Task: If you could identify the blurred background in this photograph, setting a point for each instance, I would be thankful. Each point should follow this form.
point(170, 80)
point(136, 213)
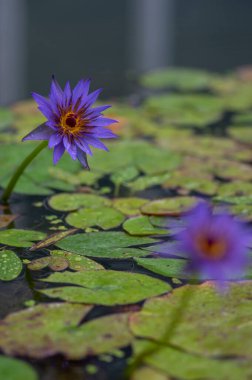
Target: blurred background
point(114, 41)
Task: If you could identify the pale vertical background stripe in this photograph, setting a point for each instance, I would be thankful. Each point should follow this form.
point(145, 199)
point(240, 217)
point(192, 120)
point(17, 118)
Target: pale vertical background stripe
point(13, 50)
point(151, 27)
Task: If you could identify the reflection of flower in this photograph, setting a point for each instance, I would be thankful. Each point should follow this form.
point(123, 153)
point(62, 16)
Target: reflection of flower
point(72, 124)
point(216, 244)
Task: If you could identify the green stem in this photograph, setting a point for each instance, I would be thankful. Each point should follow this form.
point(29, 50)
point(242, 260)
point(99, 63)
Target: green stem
point(175, 320)
point(19, 171)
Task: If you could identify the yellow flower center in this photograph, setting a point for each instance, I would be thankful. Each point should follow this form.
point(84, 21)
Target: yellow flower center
point(211, 248)
point(71, 123)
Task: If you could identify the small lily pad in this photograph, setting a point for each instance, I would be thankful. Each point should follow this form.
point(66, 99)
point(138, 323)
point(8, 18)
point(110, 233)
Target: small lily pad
point(104, 217)
point(104, 287)
point(20, 238)
point(14, 369)
point(71, 202)
point(77, 262)
point(10, 265)
point(168, 206)
point(141, 226)
point(129, 206)
point(107, 244)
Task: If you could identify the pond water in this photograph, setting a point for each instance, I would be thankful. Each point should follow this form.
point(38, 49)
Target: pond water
point(80, 304)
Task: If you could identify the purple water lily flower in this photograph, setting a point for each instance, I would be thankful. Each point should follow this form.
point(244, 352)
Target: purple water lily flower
point(72, 124)
point(215, 243)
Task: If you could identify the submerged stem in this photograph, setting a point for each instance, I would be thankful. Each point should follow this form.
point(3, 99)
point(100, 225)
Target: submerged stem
point(19, 171)
point(175, 320)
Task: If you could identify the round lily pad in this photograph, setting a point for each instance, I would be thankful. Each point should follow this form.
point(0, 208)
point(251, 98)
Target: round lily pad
point(10, 265)
point(129, 206)
point(14, 369)
point(104, 217)
point(104, 287)
point(142, 226)
point(20, 238)
point(70, 202)
point(168, 206)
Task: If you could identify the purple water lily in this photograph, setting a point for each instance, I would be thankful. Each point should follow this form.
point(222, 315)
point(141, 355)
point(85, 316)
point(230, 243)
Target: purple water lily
point(215, 243)
point(72, 124)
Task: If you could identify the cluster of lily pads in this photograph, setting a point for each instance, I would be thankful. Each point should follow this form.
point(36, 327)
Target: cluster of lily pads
point(189, 137)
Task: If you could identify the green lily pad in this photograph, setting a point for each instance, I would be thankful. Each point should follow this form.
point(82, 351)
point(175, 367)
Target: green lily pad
point(182, 365)
point(129, 206)
point(71, 202)
point(124, 175)
point(241, 134)
point(141, 226)
point(209, 318)
point(165, 267)
point(20, 238)
point(104, 217)
point(143, 182)
point(168, 206)
point(47, 323)
point(104, 287)
point(10, 265)
point(235, 188)
point(148, 373)
point(77, 262)
point(180, 78)
point(14, 369)
point(104, 244)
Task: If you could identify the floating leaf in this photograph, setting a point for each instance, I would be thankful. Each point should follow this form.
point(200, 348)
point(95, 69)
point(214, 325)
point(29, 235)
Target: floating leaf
point(146, 181)
point(104, 287)
point(49, 326)
point(165, 267)
point(14, 369)
point(182, 365)
point(129, 206)
point(20, 238)
point(141, 226)
point(209, 317)
point(148, 373)
point(104, 217)
point(53, 239)
point(103, 244)
point(77, 262)
point(10, 265)
point(124, 175)
point(71, 202)
point(168, 206)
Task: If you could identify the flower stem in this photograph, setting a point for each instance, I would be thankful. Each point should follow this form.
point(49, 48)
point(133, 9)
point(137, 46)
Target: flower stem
point(19, 171)
point(175, 320)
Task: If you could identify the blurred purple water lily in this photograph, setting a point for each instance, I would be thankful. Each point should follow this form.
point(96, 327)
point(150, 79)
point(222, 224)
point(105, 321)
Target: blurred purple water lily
point(216, 244)
point(72, 124)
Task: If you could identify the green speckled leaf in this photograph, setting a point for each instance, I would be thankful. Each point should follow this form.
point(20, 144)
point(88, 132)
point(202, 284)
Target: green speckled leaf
point(182, 365)
point(141, 226)
point(129, 206)
point(10, 265)
point(104, 217)
point(209, 318)
point(70, 202)
point(99, 243)
point(49, 326)
point(14, 369)
point(104, 287)
point(168, 206)
point(20, 238)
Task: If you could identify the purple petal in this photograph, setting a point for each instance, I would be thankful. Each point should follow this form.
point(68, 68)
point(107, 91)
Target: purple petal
point(82, 157)
point(70, 147)
point(67, 94)
point(84, 146)
point(42, 132)
point(96, 112)
point(58, 152)
point(55, 139)
point(81, 90)
point(102, 133)
point(56, 94)
point(90, 99)
point(43, 105)
point(95, 142)
point(101, 122)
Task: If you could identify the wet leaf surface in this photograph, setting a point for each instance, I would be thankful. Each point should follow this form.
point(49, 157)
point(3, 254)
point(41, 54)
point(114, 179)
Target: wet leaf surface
point(104, 287)
point(14, 369)
point(10, 265)
point(20, 238)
